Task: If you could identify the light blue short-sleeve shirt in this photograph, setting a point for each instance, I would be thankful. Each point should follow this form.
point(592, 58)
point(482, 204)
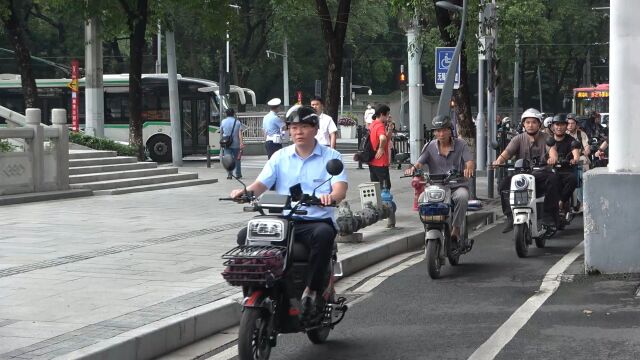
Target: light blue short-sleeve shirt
point(229, 124)
point(272, 124)
point(286, 168)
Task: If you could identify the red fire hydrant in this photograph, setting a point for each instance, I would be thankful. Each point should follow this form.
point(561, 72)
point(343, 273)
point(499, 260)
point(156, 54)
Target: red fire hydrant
point(417, 183)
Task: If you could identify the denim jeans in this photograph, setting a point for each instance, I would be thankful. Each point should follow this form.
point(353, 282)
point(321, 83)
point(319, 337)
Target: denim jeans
point(234, 153)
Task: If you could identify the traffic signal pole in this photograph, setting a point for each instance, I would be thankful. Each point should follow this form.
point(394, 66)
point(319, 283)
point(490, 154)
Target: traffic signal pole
point(415, 93)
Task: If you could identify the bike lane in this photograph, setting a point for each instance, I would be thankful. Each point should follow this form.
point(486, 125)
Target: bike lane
point(410, 316)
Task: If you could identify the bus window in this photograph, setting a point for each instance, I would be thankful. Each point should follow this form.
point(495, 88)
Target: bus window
point(115, 109)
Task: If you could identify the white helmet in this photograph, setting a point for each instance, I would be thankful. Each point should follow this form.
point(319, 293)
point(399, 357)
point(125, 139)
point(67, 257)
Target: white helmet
point(548, 121)
point(531, 113)
point(506, 121)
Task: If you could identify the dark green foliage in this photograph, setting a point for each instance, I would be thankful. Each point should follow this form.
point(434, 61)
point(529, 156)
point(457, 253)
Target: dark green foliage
point(102, 144)
point(5, 146)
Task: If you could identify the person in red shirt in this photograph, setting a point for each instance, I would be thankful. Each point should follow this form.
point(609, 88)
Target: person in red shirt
point(380, 135)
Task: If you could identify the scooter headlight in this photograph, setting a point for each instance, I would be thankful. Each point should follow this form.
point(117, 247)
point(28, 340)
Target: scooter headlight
point(521, 183)
point(432, 196)
point(266, 229)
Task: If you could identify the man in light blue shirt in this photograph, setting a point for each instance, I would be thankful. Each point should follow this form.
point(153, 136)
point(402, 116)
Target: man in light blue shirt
point(304, 163)
point(231, 126)
point(272, 126)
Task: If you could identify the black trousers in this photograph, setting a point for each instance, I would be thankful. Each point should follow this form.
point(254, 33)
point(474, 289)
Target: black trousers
point(381, 175)
point(271, 148)
point(318, 237)
point(547, 184)
point(568, 183)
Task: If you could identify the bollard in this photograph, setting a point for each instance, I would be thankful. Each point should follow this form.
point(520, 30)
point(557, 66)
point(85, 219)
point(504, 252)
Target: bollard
point(59, 121)
point(209, 156)
point(36, 147)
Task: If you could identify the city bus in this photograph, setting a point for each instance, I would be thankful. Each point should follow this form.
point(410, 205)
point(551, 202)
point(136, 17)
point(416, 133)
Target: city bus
point(587, 99)
point(199, 109)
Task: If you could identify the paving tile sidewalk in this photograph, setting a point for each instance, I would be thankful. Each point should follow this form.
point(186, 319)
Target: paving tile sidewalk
point(77, 272)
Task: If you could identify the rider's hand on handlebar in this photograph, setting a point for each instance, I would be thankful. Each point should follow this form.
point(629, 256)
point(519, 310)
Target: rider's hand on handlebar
point(468, 173)
point(237, 193)
point(573, 161)
point(552, 160)
point(410, 170)
point(326, 199)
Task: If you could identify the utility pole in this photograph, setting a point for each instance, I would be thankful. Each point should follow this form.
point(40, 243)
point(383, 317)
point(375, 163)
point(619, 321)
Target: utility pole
point(159, 54)
point(94, 89)
point(490, 17)
point(415, 93)
point(481, 147)
point(540, 89)
point(285, 71)
point(174, 105)
point(516, 83)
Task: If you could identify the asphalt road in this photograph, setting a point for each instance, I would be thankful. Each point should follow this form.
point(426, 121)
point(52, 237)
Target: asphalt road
point(410, 316)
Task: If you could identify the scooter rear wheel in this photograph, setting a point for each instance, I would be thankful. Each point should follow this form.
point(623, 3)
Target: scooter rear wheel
point(521, 232)
point(253, 336)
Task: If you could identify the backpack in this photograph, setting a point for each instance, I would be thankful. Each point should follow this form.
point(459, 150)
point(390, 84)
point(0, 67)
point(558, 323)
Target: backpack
point(366, 153)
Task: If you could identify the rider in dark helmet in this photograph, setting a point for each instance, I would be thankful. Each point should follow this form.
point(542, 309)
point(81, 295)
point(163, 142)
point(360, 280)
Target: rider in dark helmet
point(532, 146)
point(445, 154)
point(304, 163)
point(568, 149)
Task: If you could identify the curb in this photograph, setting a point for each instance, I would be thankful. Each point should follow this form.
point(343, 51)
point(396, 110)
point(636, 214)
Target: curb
point(43, 196)
point(177, 331)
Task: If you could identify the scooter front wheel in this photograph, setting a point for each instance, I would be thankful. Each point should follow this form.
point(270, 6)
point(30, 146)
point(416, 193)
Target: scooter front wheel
point(521, 232)
point(253, 335)
point(432, 253)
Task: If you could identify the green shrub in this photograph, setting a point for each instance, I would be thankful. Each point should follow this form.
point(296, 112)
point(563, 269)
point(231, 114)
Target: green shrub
point(5, 146)
point(101, 144)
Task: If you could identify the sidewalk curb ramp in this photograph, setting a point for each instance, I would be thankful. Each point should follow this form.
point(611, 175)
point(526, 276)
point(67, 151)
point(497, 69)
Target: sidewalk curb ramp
point(176, 331)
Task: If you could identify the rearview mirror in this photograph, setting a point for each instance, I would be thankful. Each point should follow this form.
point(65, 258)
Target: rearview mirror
point(334, 167)
point(228, 162)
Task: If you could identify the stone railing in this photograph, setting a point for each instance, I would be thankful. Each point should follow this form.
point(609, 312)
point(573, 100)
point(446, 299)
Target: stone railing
point(41, 165)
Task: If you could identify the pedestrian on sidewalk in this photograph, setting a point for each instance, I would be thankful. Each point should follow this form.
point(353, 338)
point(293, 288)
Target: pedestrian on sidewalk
point(232, 128)
point(327, 129)
point(380, 137)
point(272, 126)
point(368, 115)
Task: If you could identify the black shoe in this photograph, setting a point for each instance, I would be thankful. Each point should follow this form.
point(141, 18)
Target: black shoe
point(229, 177)
point(508, 225)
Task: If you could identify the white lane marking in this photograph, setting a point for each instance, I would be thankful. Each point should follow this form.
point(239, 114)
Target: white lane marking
point(520, 317)
point(378, 279)
point(226, 354)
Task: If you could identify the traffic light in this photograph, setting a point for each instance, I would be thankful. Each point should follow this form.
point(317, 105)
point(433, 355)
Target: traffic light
point(403, 78)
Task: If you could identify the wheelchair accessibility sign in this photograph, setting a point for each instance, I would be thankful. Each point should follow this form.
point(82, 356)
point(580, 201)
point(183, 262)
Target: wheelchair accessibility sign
point(444, 56)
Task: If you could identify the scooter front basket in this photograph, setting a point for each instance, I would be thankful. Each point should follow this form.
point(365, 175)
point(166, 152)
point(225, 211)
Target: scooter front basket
point(254, 265)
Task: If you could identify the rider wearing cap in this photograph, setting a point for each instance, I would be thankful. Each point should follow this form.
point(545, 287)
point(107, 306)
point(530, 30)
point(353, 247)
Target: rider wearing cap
point(445, 154)
point(568, 149)
point(304, 163)
point(531, 145)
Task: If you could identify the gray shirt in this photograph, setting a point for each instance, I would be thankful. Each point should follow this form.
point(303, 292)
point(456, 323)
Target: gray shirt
point(523, 148)
point(439, 163)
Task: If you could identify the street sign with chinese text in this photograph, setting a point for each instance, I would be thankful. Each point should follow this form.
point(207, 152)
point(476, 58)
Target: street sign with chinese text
point(444, 56)
point(75, 74)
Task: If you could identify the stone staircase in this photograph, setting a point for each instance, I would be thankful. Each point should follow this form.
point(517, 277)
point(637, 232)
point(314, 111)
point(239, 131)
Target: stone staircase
point(108, 174)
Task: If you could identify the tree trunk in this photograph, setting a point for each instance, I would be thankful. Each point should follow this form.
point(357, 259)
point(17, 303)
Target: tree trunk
point(334, 45)
point(15, 28)
point(137, 26)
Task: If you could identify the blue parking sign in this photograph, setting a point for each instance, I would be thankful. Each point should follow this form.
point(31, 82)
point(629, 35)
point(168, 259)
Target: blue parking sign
point(444, 56)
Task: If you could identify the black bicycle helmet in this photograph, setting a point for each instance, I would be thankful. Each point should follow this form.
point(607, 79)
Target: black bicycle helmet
point(302, 115)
